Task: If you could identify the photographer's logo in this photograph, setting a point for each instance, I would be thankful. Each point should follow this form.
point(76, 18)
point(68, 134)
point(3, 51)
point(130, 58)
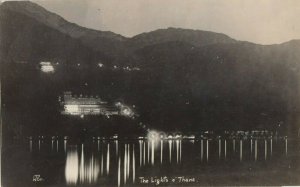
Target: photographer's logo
point(37, 178)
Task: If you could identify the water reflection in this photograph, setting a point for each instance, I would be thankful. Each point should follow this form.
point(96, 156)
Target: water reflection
point(251, 146)
point(71, 169)
point(52, 143)
point(219, 148)
point(141, 150)
point(144, 149)
point(161, 150)
point(286, 145)
point(30, 145)
point(133, 165)
point(180, 150)
point(119, 171)
point(85, 171)
point(201, 150)
point(271, 147)
point(125, 164)
point(116, 145)
point(177, 151)
point(266, 149)
point(255, 150)
point(65, 145)
point(56, 145)
point(233, 142)
point(170, 151)
point(225, 149)
point(207, 150)
point(152, 152)
point(241, 150)
point(148, 151)
point(106, 161)
point(102, 163)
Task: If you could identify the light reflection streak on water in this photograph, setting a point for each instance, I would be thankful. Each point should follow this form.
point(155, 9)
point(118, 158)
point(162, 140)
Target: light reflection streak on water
point(161, 150)
point(133, 165)
point(81, 170)
point(39, 145)
point(57, 145)
point(219, 148)
point(117, 147)
point(241, 150)
point(30, 145)
point(107, 160)
point(201, 154)
point(266, 148)
point(71, 169)
point(225, 149)
point(128, 160)
point(177, 151)
point(251, 146)
point(119, 172)
point(152, 152)
point(233, 142)
point(102, 163)
point(286, 146)
point(170, 151)
point(144, 149)
point(141, 150)
point(65, 145)
point(180, 154)
point(207, 150)
point(271, 147)
point(148, 151)
point(95, 170)
point(125, 163)
point(255, 150)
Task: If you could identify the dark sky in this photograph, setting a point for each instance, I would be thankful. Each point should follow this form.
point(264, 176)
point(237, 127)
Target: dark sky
point(259, 21)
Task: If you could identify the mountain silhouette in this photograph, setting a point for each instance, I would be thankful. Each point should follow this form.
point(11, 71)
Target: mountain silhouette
point(188, 79)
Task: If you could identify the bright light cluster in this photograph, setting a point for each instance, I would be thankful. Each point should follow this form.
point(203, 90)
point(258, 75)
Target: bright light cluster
point(153, 135)
point(72, 109)
point(47, 67)
point(100, 65)
point(125, 110)
point(127, 68)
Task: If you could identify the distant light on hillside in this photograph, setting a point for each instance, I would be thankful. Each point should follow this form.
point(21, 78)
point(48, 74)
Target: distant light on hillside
point(100, 65)
point(47, 67)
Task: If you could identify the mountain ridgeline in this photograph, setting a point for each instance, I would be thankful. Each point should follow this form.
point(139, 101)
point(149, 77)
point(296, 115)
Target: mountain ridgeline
point(188, 79)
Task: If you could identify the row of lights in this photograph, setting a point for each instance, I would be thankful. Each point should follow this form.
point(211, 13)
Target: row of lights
point(153, 135)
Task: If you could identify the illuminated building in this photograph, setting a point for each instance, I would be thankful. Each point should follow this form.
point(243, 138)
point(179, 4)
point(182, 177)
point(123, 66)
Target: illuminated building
point(86, 106)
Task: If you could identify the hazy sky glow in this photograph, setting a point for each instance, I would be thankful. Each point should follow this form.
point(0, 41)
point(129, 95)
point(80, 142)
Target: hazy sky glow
point(259, 21)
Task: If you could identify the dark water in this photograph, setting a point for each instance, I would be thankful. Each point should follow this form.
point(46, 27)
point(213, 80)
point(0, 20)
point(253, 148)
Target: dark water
point(154, 162)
